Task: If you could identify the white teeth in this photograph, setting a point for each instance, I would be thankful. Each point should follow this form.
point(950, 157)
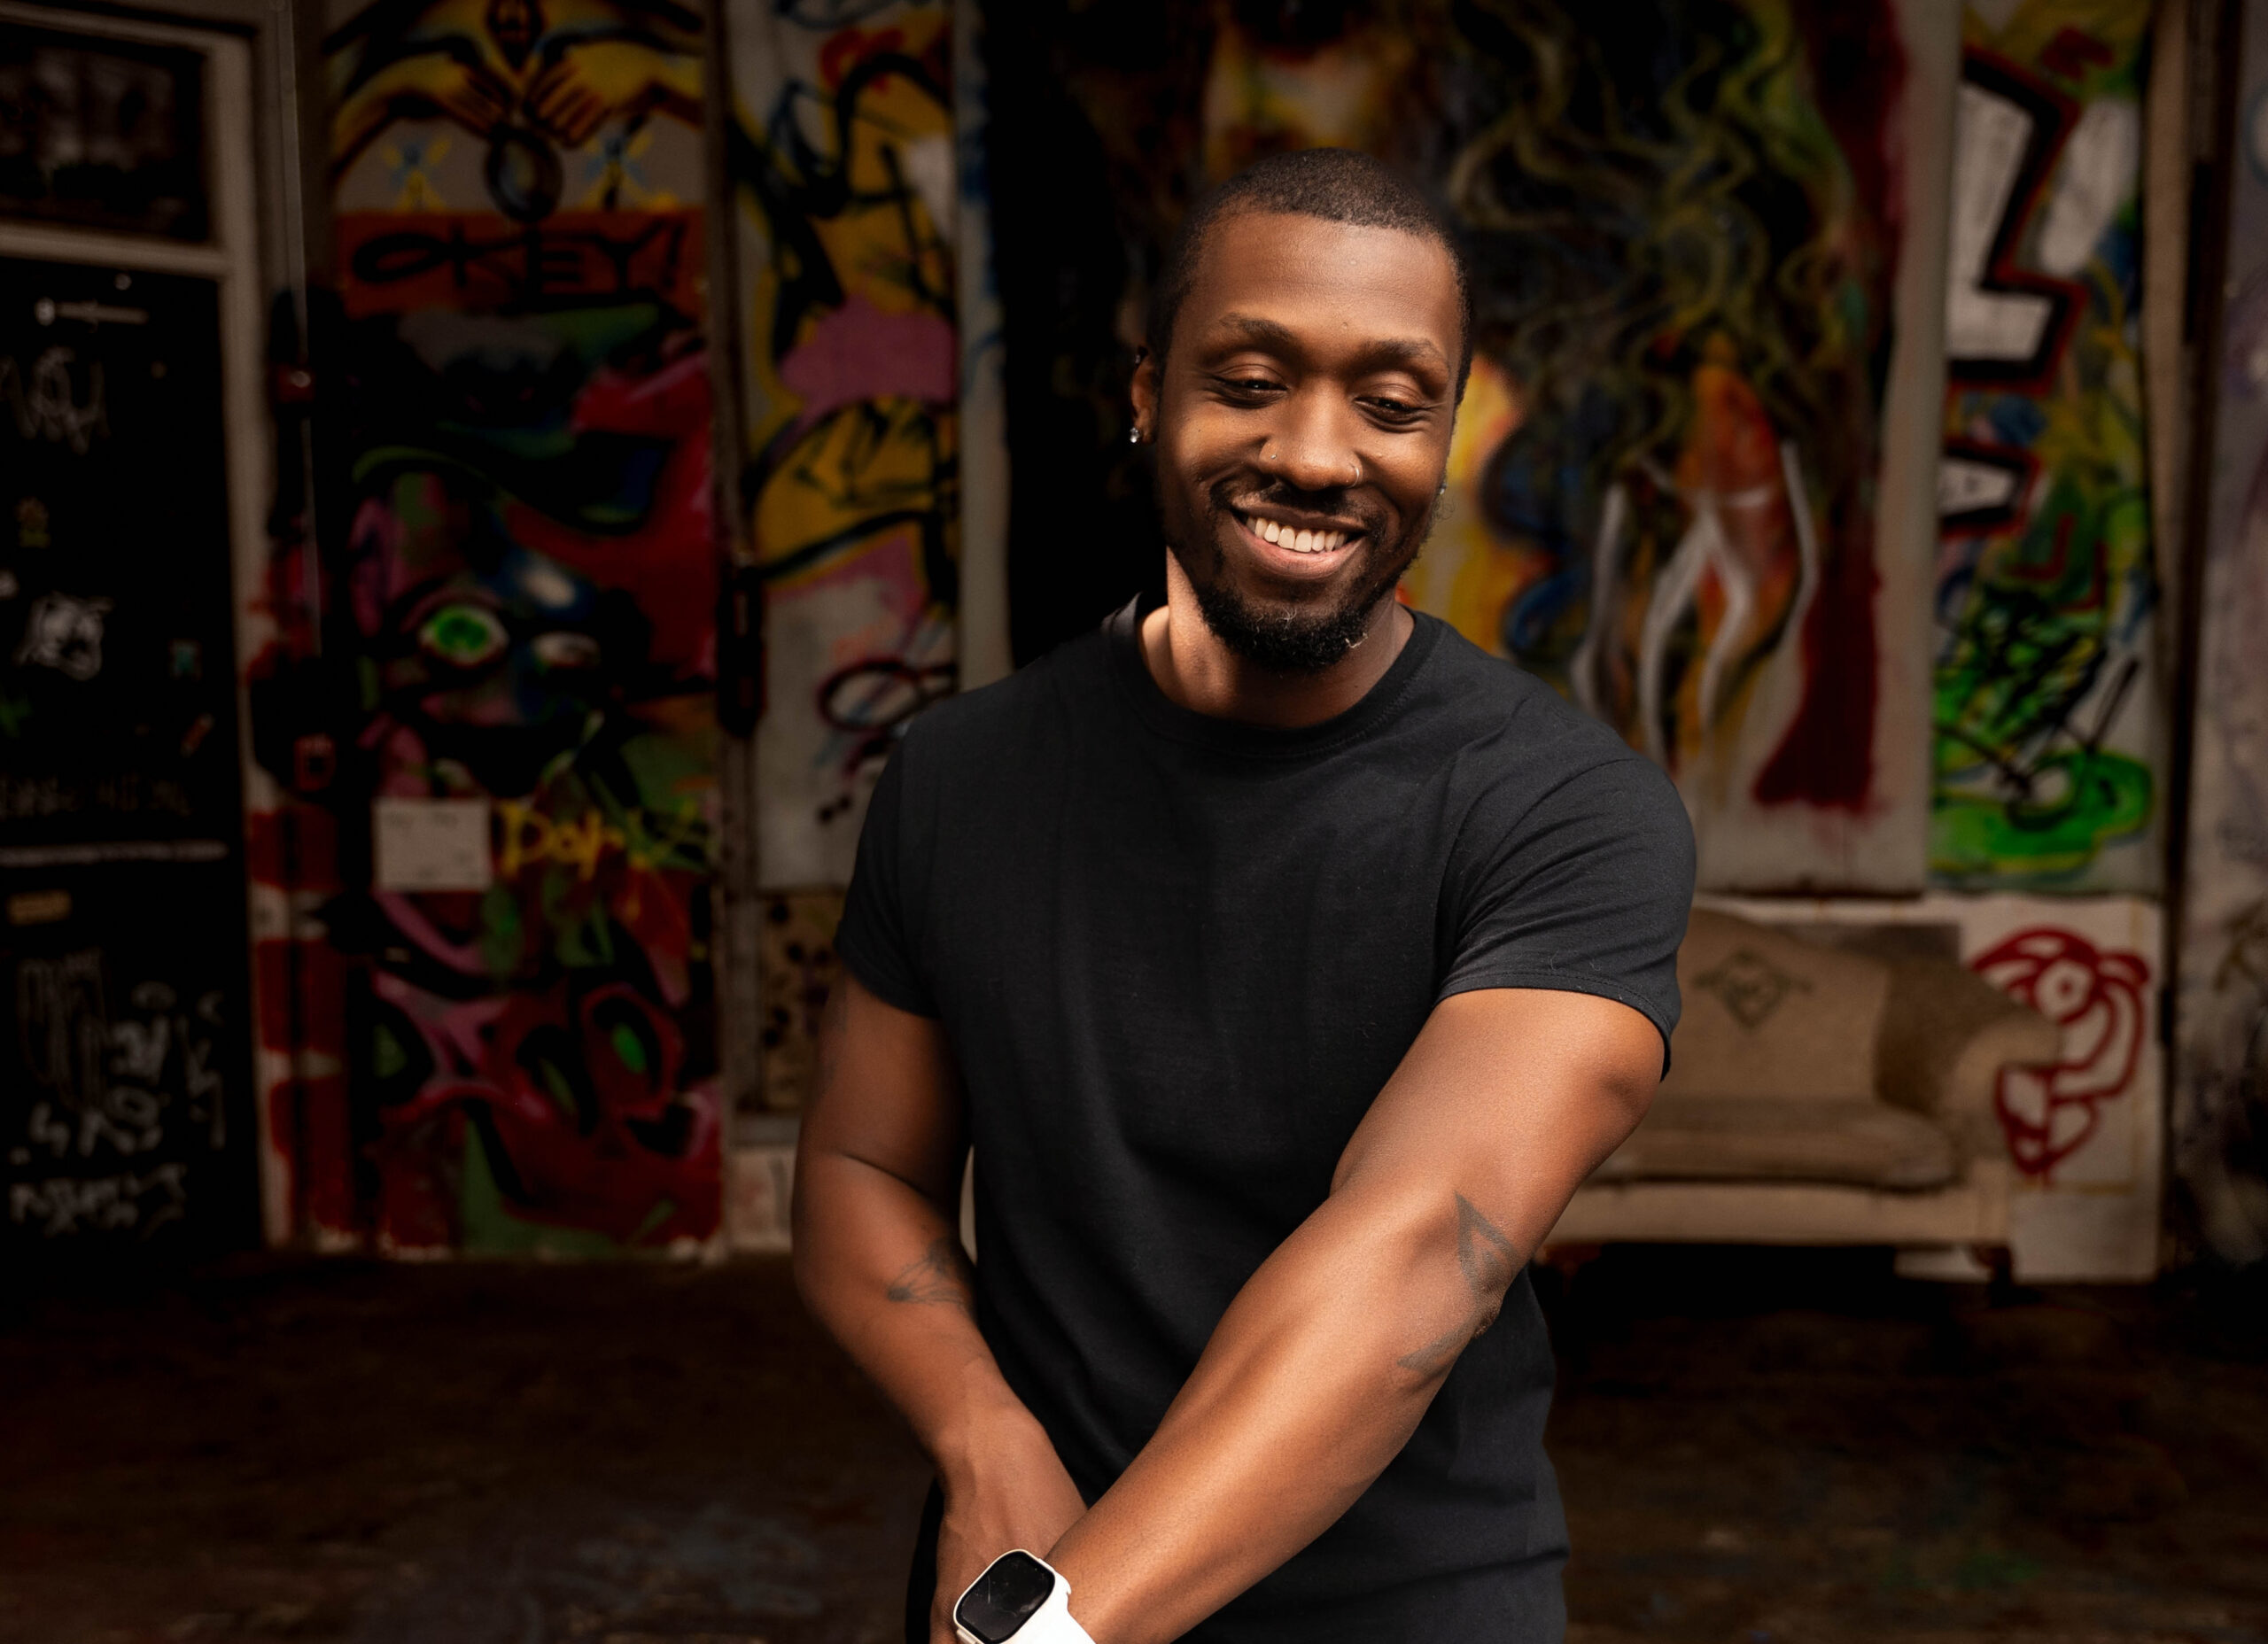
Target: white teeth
point(1299, 541)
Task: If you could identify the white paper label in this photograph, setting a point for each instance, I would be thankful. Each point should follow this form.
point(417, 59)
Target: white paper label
point(432, 844)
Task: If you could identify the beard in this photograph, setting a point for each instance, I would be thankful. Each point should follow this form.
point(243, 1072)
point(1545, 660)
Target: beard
point(1294, 638)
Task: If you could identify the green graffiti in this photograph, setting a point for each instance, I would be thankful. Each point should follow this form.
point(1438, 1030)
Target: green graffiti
point(463, 635)
point(387, 1058)
point(2097, 797)
point(2028, 691)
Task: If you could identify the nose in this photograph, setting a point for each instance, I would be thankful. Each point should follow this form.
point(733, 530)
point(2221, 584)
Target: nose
point(1312, 447)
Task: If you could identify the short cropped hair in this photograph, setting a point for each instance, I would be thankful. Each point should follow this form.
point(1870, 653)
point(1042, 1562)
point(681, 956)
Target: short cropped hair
point(1337, 185)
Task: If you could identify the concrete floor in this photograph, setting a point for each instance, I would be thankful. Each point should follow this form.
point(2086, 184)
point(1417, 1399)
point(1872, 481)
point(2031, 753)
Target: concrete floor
point(1754, 1447)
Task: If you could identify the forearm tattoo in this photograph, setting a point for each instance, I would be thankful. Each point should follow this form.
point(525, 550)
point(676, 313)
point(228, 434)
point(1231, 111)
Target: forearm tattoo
point(941, 1276)
point(1487, 1257)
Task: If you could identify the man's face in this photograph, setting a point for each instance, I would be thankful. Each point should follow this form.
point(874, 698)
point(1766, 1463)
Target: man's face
point(1303, 422)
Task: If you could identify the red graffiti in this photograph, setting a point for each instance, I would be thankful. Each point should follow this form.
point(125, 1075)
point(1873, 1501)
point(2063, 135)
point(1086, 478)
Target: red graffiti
point(2071, 54)
point(397, 262)
point(2050, 1111)
point(580, 1103)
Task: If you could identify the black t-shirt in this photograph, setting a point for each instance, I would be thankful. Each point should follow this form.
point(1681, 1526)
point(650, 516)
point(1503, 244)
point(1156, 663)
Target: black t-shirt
point(1176, 958)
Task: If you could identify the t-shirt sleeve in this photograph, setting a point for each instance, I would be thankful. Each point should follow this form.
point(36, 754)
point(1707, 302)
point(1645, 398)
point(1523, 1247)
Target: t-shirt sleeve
point(1586, 890)
point(875, 940)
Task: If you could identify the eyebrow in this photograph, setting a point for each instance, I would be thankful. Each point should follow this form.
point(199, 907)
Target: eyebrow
point(1252, 327)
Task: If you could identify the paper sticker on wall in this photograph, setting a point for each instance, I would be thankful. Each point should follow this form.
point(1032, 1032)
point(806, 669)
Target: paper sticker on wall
point(431, 844)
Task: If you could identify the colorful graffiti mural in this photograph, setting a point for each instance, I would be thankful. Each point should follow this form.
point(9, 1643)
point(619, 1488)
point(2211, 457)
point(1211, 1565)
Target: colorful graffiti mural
point(844, 171)
point(525, 587)
point(2048, 716)
point(515, 108)
point(2220, 1126)
point(1704, 390)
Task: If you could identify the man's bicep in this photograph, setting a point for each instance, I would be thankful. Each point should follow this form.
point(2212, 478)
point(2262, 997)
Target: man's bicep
point(887, 1095)
point(1508, 1098)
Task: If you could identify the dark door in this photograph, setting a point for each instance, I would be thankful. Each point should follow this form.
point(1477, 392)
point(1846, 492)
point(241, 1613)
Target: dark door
point(125, 1089)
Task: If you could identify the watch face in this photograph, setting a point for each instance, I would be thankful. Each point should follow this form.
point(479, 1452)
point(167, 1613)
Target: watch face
point(1005, 1597)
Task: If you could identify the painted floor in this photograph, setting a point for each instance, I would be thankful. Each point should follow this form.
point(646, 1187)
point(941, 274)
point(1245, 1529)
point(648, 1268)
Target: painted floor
point(1754, 1448)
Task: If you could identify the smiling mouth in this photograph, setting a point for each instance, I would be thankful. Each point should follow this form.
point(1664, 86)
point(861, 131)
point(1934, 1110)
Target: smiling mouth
point(1299, 539)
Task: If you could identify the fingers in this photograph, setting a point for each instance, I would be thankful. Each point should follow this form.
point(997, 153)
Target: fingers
point(565, 108)
point(550, 91)
point(476, 98)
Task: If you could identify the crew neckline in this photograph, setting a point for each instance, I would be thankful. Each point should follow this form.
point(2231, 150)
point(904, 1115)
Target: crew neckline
point(1161, 713)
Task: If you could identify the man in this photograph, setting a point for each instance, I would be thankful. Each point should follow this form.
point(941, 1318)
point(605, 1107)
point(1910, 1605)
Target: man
point(1288, 962)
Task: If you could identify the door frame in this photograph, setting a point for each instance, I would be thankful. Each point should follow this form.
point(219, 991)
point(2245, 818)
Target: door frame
point(230, 257)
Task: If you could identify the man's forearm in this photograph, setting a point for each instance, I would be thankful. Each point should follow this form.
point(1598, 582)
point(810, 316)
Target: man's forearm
point(1328, 1358)
point(878, 1263)
point(881, 1268)
point(1313, 1382)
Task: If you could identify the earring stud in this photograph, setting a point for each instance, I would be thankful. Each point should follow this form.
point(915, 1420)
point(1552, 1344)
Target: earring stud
point(1134, 435)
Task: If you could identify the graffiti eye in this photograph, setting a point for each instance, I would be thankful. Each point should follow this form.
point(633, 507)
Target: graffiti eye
point(566, 650)
point(2062, 991)
point(463, 636)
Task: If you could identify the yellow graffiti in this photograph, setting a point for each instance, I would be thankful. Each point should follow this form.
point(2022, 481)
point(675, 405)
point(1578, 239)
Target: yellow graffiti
point(561, 68)
point(1353, 92)
point(865, 469)
point(1472, 571)
point(531, 839)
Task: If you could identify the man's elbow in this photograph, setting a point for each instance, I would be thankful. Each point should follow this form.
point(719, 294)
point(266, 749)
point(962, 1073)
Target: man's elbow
point(1630, 1096)
point(806, 1240)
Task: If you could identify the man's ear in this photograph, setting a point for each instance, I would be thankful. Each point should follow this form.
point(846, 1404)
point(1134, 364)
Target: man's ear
point(1144, 393)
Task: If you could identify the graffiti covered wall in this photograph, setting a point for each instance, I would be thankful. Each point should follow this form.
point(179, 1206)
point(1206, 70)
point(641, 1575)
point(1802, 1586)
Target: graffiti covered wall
point(528, 585)
point(1688, 479)
point(846, 186)
point(2047, 706)
point(2220, 1126)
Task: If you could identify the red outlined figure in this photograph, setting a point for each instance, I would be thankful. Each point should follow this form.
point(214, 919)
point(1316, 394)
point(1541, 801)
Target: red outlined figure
point(2048, 1111)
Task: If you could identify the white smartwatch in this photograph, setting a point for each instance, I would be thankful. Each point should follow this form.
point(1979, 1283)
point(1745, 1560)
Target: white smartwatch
point(1018, 1597)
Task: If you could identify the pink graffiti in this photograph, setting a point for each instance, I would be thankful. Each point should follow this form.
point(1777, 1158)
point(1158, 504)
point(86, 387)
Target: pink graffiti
point(2050, 1111)
point(859, 352)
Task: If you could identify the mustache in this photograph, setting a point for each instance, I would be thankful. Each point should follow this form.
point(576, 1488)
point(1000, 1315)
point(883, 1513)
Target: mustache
point(1339, 501)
